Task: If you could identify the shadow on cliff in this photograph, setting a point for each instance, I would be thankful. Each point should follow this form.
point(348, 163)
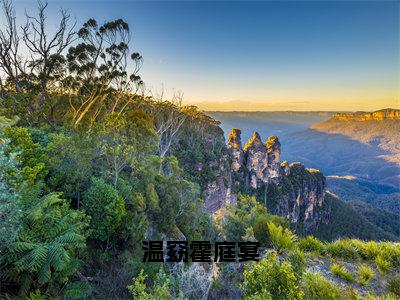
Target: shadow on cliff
point(335, 154)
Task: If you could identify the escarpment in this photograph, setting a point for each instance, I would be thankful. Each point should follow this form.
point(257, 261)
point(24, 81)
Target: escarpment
point(379, 115)
point(288, 190)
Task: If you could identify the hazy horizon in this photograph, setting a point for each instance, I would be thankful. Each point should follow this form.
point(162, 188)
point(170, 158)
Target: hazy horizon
point(311, 55)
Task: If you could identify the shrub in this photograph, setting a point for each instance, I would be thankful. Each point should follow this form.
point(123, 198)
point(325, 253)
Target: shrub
point(350, 294)
point(382, 264)
point(317, 286)
point(369, 250)
point(391, 252)
point(341, 272)
point(365, 275)
point(342, 248)
point(105, 207)
point(394, 285)
point(271, 278)
point(260, 227)
point(281, 239)
point(298, 262)
point(382, 297)
point(311, 244)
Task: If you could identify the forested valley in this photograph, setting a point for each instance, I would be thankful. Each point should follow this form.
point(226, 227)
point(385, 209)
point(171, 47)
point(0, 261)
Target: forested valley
point(92, 163)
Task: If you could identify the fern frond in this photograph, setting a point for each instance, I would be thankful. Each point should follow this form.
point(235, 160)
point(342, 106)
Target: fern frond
point(26, 281)
point(69, 238)
point(37, 257)
point(78, 290)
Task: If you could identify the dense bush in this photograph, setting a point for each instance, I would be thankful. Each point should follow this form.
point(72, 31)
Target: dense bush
point(342, 248)
point(105, 207)
point(311, 244)
point(271, 278)
point(317, 286)
point(281, 239)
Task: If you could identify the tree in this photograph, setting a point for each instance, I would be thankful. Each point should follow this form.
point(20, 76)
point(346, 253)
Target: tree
point(46, 251)
point(161, 288)
point(168, 117)
point(70, 161)
point(46, 51)
point(11, 62)
point(126, 140)
point(44, 235)
point(242, 216)
point(105, 207)
point(281, 238)
point(9, 199)
point(29, 154)
point(100, 65)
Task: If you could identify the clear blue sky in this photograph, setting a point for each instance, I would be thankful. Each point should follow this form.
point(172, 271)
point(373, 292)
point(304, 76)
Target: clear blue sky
point(314, 54)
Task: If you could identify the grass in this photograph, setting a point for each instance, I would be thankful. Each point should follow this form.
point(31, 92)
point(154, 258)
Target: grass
point(382, 264)
point(365, 275)
point(311, 244)
point(394, 285)
point(317, 286)
point(343, 248)
point(340, 271)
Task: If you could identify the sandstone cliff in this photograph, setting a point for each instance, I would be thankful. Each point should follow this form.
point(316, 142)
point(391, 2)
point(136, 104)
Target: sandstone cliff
point(289, 190)
point(379, 115)
point(379, 128)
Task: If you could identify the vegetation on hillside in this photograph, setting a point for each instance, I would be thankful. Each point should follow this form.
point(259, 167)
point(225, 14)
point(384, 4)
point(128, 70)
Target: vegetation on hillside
point(91, 165)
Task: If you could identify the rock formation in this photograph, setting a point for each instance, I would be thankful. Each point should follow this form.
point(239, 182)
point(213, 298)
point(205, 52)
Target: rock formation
point(235, 144)
point(289, 190)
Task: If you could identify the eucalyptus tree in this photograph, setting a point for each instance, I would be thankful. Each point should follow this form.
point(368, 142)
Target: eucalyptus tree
point(105, 69)
point(45, 49)
point(11, 62)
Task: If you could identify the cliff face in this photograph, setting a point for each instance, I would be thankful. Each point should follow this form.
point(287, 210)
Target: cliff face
point(379, 115)
point(379, 128)
point(289, 190)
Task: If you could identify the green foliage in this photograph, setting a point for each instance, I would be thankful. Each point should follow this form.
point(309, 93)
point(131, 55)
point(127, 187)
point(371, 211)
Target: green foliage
point(10, 206)
point(394, 285)
point(311, 244)
point(271, 278)
point(160, 289)
point(138, 288)
point(29, 154)
point(126, 140)
point(343, 248)
point(298, 262)
point(341, 272)
point(317, 286)
point(382, 264)
point(260, 227)
point(105, 207)
point(70, 160)
point(242, 216)
point(77, 290)
point(365, 275)
point(46, 252)
point(345, 222)
point(281, 239)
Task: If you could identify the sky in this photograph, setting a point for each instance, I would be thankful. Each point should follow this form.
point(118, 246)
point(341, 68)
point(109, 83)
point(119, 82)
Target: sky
point(262, 55)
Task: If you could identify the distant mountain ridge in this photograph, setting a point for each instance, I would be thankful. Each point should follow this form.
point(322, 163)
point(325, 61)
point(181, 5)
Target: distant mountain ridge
point(379, 128)
point(379, 115)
